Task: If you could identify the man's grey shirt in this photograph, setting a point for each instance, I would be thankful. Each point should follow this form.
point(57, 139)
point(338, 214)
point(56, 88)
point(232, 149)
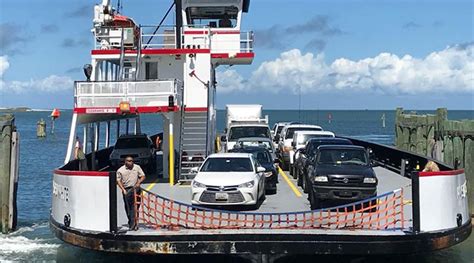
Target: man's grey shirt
point(129, 177)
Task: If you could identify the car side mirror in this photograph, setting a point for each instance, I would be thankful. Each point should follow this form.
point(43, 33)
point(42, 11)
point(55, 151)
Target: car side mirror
point(260, 169)
point(194, 170)
point(223, 138)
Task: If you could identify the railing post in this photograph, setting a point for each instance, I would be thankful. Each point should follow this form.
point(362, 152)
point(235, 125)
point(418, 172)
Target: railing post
point(415, 195)
point(113, 202)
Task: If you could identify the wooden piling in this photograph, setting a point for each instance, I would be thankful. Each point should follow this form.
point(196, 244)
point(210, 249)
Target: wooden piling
point(41, 129)
point(9, 153)
point(437, 137)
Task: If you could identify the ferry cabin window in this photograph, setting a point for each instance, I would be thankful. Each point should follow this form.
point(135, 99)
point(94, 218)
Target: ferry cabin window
point(215, 17)
point(151, 70)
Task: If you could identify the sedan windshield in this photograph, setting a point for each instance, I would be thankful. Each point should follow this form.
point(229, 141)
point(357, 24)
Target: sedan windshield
point(291, 131)
point(236, 133)
point(306, 137)
point(342, 157)
point(265, 144)
point(227, 165)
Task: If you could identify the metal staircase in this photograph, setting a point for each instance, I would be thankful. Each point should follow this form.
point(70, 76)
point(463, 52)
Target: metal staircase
point(193, 143)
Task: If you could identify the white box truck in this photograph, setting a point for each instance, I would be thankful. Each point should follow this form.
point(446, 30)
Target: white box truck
point(244, 121)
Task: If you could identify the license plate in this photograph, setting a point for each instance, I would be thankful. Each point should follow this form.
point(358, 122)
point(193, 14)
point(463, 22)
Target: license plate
point(222, 196)
point(345, 193)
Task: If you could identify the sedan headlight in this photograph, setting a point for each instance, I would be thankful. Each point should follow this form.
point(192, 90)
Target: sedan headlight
point(248, 184)
point(321, 179)
point(370, 180)
point(268, 174)
point(197, 184)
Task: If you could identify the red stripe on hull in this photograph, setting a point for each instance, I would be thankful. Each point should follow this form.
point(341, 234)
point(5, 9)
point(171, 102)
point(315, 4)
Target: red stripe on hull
point(80, 173)
point(442, 173)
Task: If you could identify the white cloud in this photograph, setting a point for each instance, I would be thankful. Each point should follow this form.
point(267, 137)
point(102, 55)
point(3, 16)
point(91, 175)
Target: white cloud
point(4, 65)
point(447, 71)
point(51, 83)
point(229, 81)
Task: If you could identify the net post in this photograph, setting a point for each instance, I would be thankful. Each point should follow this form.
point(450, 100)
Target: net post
point(415, 193)
point(113, 202)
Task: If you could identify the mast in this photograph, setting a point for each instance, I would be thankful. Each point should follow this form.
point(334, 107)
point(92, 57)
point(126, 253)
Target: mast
point(179, 22)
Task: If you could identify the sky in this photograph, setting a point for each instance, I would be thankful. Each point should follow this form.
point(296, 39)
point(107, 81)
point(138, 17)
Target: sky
point(309, 54)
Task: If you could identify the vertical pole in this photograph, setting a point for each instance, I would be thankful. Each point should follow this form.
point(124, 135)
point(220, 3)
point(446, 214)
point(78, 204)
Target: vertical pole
point(94, 141)
point(127, 126)
point(179, 22)
point(113, 202)
point(415, 193)
point(107, 135)
point(118, 129)
point(171, 153)
point(85, 138)
point(6, 130)
point(72, 139)
point(138, 125)
point(96, 136)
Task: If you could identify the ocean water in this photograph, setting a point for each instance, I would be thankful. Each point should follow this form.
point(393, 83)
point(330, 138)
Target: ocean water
point(33, 240)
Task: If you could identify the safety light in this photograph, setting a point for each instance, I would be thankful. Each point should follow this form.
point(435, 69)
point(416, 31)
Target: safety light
point(124, 106)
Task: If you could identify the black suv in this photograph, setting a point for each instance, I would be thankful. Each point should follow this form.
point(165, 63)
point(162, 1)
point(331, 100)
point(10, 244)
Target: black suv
point(264, 158)
point(305, 156)
point(340, 173)
point(139, 146)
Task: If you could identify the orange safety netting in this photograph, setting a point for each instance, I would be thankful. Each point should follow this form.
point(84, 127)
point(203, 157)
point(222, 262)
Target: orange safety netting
point(378, 213)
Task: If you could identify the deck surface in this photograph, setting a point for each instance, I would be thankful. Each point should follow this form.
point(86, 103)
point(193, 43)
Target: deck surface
point(289, 198)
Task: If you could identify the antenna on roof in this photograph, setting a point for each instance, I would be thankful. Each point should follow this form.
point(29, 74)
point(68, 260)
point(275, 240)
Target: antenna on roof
point(119, 6)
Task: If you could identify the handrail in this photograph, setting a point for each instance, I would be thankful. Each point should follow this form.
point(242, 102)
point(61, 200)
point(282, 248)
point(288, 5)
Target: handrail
point(111, 93)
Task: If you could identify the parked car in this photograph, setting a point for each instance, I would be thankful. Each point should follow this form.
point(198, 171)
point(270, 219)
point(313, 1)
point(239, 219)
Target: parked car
point(299, 141)
point(228, 179)
point(340, 173)
point(305, 155)
point(257, 142)
point(139, 146)
point(264, 159)
point(286, 137)
point(277, 127)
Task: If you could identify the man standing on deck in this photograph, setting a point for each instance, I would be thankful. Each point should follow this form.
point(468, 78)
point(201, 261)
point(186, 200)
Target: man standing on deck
point(129, 178)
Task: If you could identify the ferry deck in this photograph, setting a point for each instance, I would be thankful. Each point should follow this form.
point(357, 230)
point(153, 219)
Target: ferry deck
point(171, 71)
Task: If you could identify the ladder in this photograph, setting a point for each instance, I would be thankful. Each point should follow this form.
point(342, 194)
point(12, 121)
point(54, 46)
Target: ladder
point(193, 143)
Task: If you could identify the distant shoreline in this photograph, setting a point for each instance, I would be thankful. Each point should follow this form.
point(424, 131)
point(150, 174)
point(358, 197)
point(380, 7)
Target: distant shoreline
point(20, 109)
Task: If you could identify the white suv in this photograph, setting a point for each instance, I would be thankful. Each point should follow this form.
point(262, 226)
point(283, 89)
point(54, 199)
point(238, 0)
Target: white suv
point(299, 141)
point(286, 137)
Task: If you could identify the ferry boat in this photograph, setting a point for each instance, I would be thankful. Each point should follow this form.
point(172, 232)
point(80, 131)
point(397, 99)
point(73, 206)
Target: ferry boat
point(170, 71)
